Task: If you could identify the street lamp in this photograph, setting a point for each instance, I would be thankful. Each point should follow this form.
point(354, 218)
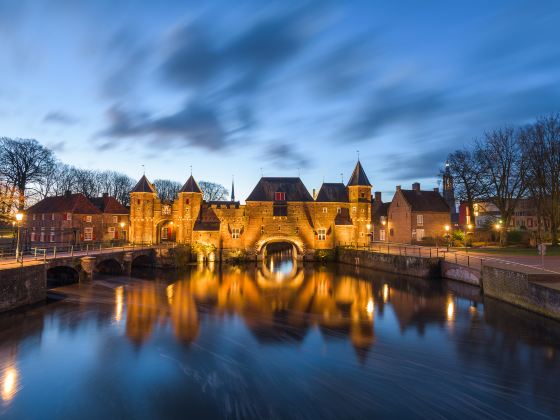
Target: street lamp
point(447, 235)
point(19, 218)
point(384, 223)
point(370, 235)
point(469, 229)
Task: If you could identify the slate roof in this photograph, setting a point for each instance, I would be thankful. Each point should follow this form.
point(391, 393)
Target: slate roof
point(334, 192)
point(425, 201)
point(190, 186)
point(267, 186)
point(381, 210)
point(359, 177)
point(108, 204)
point(207, 220)
point(68, 203)
point(343, 218)
point(143, 185)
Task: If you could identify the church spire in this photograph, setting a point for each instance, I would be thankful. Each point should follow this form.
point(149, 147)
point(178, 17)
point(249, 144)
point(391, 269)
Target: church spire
point(359, 177)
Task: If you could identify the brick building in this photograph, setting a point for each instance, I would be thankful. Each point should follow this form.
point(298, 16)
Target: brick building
point(73, 218)
point(416, 214)
point(277, 210)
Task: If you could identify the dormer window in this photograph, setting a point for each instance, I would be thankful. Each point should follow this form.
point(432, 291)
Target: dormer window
point(279, 196)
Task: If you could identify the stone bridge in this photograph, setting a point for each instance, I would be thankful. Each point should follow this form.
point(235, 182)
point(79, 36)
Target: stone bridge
point(83, 267)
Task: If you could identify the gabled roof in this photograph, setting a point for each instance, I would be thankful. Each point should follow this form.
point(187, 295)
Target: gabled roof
point(334, 192)
point(380, 210)
point(68, 203)
point(109, 205)
point(190, 186)
point(425, 200)
point(343, 218)
point(207, 220)
point(359, 177)
point(267, 186)
point(143, 185)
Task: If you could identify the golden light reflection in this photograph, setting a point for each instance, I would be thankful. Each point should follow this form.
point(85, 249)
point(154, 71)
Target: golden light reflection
point(369, 307)
point(450, 310)
point(119, 294)
point(385, 293)
point(9, 384)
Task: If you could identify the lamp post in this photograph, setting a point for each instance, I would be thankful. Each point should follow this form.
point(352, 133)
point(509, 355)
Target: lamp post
point(122, 230)
point(469, 229)
point(19, 218)
point(447, 236)
point(368, 226)
point(384, 223)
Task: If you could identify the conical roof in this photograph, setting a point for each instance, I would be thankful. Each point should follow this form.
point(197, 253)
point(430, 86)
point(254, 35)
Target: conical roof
point(190, 186)
point(359, 177)
point(144, 186)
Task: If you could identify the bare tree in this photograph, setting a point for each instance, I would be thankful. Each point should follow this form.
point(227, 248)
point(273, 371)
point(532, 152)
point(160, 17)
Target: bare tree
point(467, 171)
point(505, 172)
point(541, 149)
point(212, 191)
point(24, 162)
point(167, 189)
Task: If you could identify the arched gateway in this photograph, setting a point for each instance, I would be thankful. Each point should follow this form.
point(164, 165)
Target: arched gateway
point(279, 209)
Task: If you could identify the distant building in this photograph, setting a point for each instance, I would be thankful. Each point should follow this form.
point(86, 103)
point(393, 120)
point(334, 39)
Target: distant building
point(487, 214)
point(416, 214)
point(73, 218)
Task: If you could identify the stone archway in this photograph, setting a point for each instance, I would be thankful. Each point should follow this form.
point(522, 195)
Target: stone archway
point(296, 243)
point(165, 231)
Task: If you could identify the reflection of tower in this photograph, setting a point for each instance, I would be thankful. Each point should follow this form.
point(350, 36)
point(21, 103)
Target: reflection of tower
point(449, 192)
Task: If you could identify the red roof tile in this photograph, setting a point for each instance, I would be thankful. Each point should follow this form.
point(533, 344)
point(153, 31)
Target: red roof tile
point(71, 203)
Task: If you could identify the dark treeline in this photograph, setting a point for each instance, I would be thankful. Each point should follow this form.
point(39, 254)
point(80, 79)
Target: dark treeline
point(509, 164)
point(30, 172)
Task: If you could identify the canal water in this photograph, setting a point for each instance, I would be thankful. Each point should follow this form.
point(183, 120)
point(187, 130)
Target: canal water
point(276, 340)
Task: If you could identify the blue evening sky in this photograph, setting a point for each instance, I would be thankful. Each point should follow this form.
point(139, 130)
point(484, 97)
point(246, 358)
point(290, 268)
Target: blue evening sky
point(231, 87)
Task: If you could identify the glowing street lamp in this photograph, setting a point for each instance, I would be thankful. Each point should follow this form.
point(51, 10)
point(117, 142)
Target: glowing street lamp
point(19, 218)
point(447, 227)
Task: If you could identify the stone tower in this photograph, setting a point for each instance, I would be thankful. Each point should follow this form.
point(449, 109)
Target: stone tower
point(189, 203)
point(359, 195)
point(142, 202)
point(449, 192)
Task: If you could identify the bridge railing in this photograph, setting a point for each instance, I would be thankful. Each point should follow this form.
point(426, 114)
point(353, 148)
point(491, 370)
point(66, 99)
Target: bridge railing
point(42, 253)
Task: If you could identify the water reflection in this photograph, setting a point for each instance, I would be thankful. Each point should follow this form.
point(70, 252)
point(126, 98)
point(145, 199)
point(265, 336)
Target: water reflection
point(235, 342)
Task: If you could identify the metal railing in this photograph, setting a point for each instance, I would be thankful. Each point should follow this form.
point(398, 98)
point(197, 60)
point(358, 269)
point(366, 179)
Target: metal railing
point(452, 255)
point(38, 254)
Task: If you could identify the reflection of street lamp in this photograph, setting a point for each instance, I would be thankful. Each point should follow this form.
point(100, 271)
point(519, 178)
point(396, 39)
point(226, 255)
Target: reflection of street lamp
point(370, 235)
point(447, 236)
point(19, 218)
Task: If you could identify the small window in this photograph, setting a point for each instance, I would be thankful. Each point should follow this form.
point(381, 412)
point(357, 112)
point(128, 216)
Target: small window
point(297, 230)
point(33, 238)
point(88, 219)
point(111, 229)
point(187, 201)
point(279, 228)
point(420, 220)
point(338, 210)
point(88, 233)
point(363, 195)
point(391, 232)
point(382, 235)
point(235, 232)
point(52, 216)
point(115, 219)
point(322, 234)
point(67, 216)
point(51, 237)
point(279, 196)
point(42, 237)
point(34, 216)
point(361, 234)
point(42, 217)
point(353, 209)
point(262, 230)
point(325, 210)
point(138, 202)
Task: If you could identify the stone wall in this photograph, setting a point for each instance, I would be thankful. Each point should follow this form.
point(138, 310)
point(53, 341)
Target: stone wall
point(398, 264)
point(524, 288)
point(22, 286)
point(460, 273)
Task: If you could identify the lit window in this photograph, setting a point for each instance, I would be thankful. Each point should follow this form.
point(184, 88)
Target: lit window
point(51, 238)
point(321, 234)
point(420, 220)
point(115, 219)
point(52, 216)
point(88, 233)
point(279, 196)
point(235, 232)
point(88, 219)
point(325, 210)
point(353, 209)
point(338, 210)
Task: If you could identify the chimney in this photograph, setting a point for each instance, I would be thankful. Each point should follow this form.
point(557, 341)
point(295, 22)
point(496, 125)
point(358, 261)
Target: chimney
point(398, 187)
point(67, 193)
point(436, 189)
point(105, 195)
point(378, 197)
point(416, 186)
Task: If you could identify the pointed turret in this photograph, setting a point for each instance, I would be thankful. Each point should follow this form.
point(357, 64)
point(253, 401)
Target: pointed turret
point(143, 186)
point(359, 177)
point(190, 186)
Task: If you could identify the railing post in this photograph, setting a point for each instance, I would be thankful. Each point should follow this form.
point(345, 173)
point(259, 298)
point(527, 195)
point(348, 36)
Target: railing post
point(54, 252)
point(72, 251)
point(35, 253)
point(87, 249)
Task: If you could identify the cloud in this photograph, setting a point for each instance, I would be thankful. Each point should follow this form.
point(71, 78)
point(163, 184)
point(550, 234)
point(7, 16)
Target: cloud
point(414, 165)
point(58, 146)
point(285, 155)
point(193, 125)
point(59, 117)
